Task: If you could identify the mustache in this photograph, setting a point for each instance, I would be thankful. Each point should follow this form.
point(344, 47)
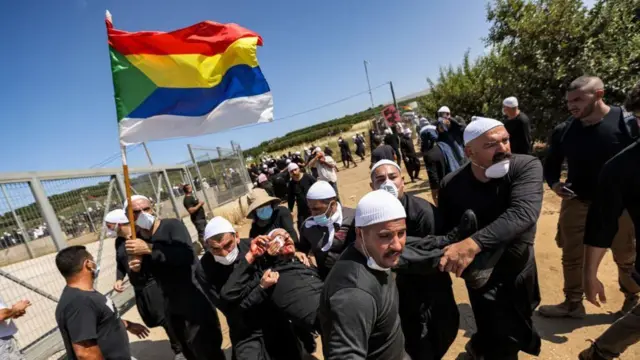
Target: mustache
point(498, 157)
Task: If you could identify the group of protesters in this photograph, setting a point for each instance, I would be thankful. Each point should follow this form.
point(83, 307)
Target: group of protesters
point(374, 282)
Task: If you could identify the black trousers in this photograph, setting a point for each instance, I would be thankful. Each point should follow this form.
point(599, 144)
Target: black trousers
point(151, 307)
point(413, 166)
point(503, 309)
point(198, 333)
point(200, 226)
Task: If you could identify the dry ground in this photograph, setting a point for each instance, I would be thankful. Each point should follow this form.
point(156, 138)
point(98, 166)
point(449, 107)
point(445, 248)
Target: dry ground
point(562, 339)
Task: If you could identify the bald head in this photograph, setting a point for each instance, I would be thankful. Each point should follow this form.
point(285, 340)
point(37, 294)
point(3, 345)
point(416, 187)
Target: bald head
point(586, 84)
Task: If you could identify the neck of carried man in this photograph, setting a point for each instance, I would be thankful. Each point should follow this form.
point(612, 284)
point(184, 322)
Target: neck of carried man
point(599, 112)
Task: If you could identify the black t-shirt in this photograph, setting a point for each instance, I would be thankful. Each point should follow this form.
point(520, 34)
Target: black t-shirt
point(382, 152)
point(436, 166)
point(618, 190)
point(586, 149)
point(359, 312)
point(88, 315)
point(519, 129)
point(408, 149)
point(191, 201)
point(298, 195)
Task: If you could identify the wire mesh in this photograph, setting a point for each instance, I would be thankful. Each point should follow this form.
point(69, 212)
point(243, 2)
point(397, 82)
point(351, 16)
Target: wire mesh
point(23, 233)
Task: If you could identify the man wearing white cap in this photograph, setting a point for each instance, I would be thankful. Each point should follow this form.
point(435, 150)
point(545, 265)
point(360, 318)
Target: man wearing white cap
point(169, 254)
point(299, 185)
point(359, 305)
point(427, 301)
point(505, 192)
point(250, 320)
point(149, 299)
point(518, 125)
point(329, 230)
point(594, 134)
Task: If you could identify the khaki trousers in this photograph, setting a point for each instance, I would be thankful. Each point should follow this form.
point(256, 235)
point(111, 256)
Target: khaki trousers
point(620, 335)
point(570, 237)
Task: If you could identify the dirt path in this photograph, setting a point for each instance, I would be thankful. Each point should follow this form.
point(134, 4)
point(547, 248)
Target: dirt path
point(562, 339)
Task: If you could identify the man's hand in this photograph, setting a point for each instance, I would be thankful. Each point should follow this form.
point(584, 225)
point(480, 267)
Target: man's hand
point(20, 308)
point(118, 287)
point(259, 245)
point(201, 202)
point(135, 265)
point(138, 330)
point(559, 189)
point(269, 278)
point(458, 256)
point(594, 290)
point(303, 258)
point(137, 247)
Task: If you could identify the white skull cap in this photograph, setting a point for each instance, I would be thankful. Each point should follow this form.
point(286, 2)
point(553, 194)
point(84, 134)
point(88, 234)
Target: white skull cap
point(478, 127)
point(321, 190)
point(377, 207)
point(218, 225)
point(116, 216)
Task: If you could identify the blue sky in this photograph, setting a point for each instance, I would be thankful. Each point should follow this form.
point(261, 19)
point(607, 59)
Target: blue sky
point(58, 110)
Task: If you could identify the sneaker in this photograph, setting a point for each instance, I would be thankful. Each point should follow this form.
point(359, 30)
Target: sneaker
point(566, 309)
point(591, 354)
point(630, 302)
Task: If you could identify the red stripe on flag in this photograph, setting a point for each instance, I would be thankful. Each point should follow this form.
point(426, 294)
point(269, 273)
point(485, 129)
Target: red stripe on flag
point(207, 38)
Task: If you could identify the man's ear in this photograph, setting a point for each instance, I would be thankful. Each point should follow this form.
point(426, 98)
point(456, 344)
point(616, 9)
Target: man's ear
point(371, 185)
point(599, 94)
point(468, 152)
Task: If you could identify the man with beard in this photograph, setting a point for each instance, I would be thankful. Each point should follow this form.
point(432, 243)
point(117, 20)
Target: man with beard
point(518, 125)
point(428, 308)
point(298, 187)
point(329, 230)
point(411, 161)
point(618, 192)
point(251, 326)
point(359, 304)
point(169, 255)
point(89, 322)
point(587, 140)
point(149, 299)
point(505, 192)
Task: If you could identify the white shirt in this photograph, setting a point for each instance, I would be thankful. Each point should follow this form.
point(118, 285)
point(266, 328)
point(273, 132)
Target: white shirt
point(7, 327)
point(326, 173)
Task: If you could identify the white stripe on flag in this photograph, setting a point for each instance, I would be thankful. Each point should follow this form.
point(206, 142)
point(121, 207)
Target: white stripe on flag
point(229, 114)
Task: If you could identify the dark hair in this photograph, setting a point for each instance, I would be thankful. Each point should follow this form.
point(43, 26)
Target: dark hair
point(632, 103)
point(69, 260)
point(586, 83)
point(376, 141)
point(184, 187)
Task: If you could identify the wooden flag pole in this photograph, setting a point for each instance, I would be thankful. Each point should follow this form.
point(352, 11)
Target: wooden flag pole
point(128, 194)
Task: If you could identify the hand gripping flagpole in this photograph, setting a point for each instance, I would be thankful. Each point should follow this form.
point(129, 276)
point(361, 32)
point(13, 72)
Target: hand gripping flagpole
point(125, 173)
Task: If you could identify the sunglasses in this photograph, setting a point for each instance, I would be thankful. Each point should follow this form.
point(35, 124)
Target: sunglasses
point(137, 212)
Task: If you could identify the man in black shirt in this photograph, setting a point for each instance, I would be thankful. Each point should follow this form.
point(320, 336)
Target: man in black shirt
point(428, 307)
point(618, 192)
point(505, 193)
point(298, 187)
point(359, 304)
point(587, 140)
point(393, 140)
point(329, 231)
point(196, 211)
point(518, 125)
point(381, 152)
point(411, 161)
point(434, 160)
point(191, 311)
point(89, 322)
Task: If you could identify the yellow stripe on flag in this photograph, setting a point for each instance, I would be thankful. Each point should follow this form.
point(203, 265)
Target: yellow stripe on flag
point(195, 70)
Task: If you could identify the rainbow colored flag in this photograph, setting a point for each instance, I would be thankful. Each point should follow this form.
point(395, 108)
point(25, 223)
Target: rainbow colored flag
point(188, 82)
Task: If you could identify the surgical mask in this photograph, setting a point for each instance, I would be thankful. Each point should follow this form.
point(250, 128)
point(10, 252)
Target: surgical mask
point(371, 263)
point(229, 259)
point(390, 187)
point(497, 170)
point(112, 233)
point(145, 221)
point(322, 219)
point(96, 271)
point(265, 212)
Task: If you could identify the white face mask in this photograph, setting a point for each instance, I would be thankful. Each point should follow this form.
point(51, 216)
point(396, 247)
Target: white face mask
point(229, 259)
point(371, 263)
point(145, 221)
point(390, 187)
point(112, 233)
point(497, 170)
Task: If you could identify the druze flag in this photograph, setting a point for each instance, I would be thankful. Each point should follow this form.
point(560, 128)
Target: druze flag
point(188, 82)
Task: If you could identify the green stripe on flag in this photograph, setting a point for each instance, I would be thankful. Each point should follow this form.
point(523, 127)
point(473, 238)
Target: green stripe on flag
point(131, 86)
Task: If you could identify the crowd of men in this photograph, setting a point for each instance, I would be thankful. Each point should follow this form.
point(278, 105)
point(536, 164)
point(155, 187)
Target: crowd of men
point(374, 282)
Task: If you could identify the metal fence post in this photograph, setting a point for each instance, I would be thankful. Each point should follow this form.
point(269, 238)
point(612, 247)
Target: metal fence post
point(204, 192)
point(123, 190)
point(24, 232)
point(172, 197)
point(92, 226)
point(48, 214)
